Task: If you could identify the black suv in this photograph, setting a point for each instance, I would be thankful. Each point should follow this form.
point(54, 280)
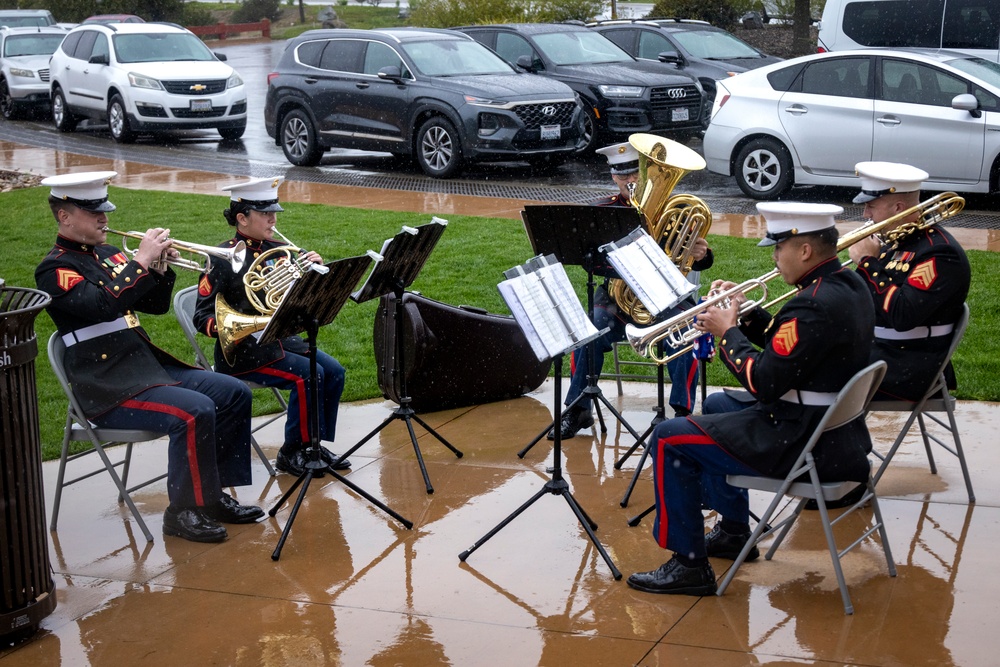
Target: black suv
point(695, 47)
point(621, 95)
point(434, 94)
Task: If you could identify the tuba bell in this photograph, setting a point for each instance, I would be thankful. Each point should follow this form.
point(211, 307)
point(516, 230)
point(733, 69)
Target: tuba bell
point(674, 221)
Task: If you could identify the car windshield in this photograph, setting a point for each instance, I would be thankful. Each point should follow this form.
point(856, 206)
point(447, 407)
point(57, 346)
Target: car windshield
point(985, 70)
point(31, 45)
point(454, 58)
point(160, 47)
point(24, 21)
point(710, 44)
point(580, 48)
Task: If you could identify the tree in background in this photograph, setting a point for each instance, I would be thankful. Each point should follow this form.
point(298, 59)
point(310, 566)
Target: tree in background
point(73, 11)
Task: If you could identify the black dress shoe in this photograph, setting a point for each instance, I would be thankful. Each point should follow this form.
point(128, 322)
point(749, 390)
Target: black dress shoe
point(294, 463)
point(720, 544)
point(227, 510)
point(192, 524)
point(677, 579)
point(572, 421)
point(331, 459)
point(847, 500)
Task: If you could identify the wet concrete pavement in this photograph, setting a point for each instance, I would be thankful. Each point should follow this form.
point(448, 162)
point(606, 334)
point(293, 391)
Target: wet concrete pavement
point(354, 587)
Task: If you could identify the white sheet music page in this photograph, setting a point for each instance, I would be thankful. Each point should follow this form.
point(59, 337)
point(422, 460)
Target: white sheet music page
point(656, 280)
point(547, 310)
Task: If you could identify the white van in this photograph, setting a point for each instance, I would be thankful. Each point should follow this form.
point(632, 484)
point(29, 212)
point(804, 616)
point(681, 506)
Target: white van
point(969, 26)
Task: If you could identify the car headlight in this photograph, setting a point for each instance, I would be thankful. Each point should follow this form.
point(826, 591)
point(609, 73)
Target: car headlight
point(26, 73)
point(234, 81)
point(621, 91)
point(484, 102)
point(142, 81)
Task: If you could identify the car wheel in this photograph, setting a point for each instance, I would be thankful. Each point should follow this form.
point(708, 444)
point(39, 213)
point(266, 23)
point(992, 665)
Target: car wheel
point(298, 140)
point(588, 133)
point(232, 133)
point(61, 116)
point(439, 149)
point(763, 169)
point(118, 123)
point(8, 107)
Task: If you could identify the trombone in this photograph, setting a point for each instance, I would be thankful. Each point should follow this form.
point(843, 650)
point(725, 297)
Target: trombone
point(679, 331)
point(234, 255)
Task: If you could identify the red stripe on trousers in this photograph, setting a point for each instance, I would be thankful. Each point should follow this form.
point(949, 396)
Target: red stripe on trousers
point(191, 445)
point(300, 385)
point(682, 439)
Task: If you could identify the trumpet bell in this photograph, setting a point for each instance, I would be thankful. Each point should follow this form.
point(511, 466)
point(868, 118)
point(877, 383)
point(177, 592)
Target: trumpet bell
point(233, 326)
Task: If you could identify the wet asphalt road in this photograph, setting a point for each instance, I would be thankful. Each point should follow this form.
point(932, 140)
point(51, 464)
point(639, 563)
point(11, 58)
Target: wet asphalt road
point(255, 154)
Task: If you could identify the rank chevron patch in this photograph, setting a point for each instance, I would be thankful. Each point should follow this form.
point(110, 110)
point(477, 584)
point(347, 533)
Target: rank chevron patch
point(204, 286)
point(923, 275)
point(67, 278)
point(785, 338)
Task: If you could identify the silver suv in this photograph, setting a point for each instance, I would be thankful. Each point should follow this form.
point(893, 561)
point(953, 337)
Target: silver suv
point(24, 67)
point(144, 77)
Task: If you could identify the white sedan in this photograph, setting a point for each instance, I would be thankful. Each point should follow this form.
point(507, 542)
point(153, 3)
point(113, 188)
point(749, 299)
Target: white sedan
point(809, 120)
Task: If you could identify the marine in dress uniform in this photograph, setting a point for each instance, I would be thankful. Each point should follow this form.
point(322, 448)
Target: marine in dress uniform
point(284, 364)
point(919, 283)
point(623, 161)
point(122, 379)
point(793, 364)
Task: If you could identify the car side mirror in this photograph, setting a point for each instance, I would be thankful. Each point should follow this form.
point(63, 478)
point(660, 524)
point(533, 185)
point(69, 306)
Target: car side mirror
point(529, 64)
point(100, 59)
point(967, 102)
point(672, 58)
point(392, 73)
point(220, 56)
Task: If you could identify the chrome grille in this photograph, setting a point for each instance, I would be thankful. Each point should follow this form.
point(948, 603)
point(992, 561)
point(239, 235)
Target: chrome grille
point(43, 75)
point(533, 116)
point(186, 87)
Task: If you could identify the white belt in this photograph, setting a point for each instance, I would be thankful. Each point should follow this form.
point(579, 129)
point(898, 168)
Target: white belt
point(93, 331)
point(886, 333)
point(810, 397)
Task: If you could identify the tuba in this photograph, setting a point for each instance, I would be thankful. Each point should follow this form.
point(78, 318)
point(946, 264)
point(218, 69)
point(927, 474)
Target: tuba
point(266, 283)
point(674, 221)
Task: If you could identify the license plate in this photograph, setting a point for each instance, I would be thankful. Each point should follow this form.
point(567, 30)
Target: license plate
point(679, 115)
point(206, 105)
point(550, 131)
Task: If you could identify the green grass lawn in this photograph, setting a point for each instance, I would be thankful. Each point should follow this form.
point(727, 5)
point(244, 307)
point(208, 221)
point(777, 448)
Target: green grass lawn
point(464, 268)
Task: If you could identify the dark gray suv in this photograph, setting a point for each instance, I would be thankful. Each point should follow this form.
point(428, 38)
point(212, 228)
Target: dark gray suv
point(436, 95)
point(621, 95)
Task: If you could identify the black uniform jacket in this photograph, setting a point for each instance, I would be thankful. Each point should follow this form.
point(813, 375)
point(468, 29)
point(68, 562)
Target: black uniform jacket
point(815, 343)
point(921, 283)
point(90, 285)
point(221, 280)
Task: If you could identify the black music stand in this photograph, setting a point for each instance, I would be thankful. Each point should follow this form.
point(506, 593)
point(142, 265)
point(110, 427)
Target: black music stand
point(573, 234)
point(557, 485)
point(313, 301)
point(402, 258)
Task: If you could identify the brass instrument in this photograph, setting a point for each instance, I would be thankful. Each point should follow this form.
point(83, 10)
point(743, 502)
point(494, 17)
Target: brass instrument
point(675, 222)
point(679, 332)
point(266, 283)
point(234, 255)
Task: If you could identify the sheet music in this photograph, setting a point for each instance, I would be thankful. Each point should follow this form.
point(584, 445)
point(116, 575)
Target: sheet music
point(546, 308)
point(647, 269)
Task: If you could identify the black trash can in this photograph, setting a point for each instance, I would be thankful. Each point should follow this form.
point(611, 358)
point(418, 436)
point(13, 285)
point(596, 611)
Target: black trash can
point(26, 584)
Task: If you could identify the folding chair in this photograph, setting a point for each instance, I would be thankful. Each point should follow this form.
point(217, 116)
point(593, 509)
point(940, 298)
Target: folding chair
point(937, 398)
point(184, 303)
point(849, 404)
point(618, 375)
point(79, 428)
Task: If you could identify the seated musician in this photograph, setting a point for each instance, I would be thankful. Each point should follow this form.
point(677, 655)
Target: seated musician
point(808, 351)
point(624, 164)
point(919, 282)
point(122, 380)
point(253, 209)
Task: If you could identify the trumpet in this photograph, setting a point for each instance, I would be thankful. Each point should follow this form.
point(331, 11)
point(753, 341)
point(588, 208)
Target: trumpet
point(234, 255)
point(679, 331)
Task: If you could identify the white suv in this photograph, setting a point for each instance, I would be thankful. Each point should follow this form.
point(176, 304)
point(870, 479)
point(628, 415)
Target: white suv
point(24, 67)
point(144, 77)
